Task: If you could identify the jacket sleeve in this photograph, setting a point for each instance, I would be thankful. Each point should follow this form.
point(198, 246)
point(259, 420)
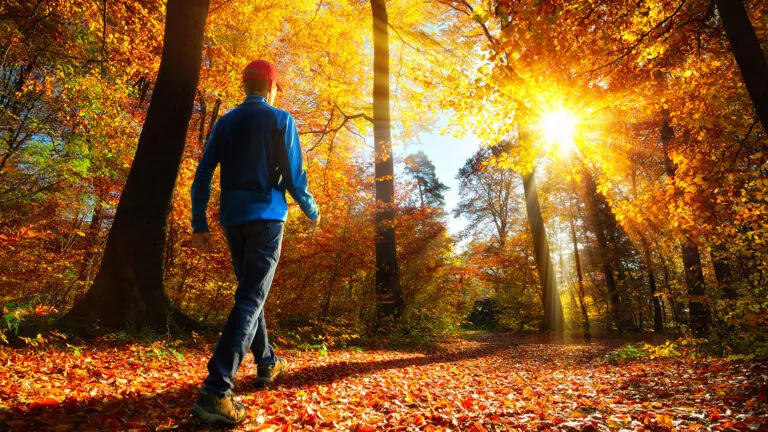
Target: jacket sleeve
point(294, 176)
point(201, 186)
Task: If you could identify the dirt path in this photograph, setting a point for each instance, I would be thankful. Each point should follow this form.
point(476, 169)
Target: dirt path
point(498, 384)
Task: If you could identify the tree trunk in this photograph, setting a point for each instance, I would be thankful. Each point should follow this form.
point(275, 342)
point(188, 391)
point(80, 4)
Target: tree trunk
point(580, 280)
point(213, 120)
point(91, 238)
point(723, 272)
point(699, 316)
point(553, 309)
point(748, 53)
point(388, 292)
point(203, 118)
point(658, 322)
point(598, 211)
point(671, 298)
point(128, 291)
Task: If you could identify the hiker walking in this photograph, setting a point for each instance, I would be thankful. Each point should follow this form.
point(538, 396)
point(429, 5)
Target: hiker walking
point(258, 148)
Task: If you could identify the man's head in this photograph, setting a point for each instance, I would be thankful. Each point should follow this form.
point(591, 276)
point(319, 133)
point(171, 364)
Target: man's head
point(260, 77)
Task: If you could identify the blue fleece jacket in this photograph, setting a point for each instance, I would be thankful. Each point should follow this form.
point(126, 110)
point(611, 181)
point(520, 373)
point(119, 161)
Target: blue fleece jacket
point(258, 148)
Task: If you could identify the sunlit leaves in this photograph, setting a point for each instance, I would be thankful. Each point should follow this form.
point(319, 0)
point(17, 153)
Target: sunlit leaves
point(498, 384)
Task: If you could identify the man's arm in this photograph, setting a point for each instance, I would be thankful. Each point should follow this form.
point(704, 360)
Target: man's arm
point(201, 186)
point(294, 176)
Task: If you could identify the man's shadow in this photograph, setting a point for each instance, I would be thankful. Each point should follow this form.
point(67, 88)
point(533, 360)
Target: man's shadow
point(171, 408)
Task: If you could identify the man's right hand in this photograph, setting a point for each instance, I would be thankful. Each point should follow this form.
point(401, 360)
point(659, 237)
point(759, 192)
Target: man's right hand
point(201, 240)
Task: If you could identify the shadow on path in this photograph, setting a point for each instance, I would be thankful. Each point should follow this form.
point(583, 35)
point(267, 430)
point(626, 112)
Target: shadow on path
point(171, 408)
point(330, 373)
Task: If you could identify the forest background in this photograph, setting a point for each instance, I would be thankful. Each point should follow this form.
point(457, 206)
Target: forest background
point(649, 212)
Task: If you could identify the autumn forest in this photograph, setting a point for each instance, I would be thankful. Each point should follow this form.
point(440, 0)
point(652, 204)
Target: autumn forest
point(597, 261)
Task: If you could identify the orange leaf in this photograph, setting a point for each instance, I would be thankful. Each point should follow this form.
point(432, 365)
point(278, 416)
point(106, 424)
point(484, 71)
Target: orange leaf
point(476, 427)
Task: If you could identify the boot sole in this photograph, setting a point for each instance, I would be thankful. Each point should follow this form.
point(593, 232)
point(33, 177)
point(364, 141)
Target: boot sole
point(263, 382)
point(212, 418)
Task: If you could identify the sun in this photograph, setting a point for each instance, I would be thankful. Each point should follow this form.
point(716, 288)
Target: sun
point(559, 127)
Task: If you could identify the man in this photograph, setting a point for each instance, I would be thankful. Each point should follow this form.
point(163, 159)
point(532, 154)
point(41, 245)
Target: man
point(258, 148)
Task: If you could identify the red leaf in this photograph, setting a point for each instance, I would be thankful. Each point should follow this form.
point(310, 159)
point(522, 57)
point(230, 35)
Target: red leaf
point(418, 419)
point(44, 403)
point(714, 415)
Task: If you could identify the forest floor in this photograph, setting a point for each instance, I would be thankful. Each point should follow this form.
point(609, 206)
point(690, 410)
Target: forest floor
point(490, 383)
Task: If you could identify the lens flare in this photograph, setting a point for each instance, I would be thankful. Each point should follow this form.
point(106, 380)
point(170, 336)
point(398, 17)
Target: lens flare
point(559, 127)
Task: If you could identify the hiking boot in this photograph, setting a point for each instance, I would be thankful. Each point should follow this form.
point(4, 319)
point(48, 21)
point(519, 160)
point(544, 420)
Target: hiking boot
point(212, 409)
point(266, 374)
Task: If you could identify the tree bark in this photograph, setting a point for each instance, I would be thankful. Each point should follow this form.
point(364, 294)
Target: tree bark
point(553, 309)
point(748, 53)
point(128, 292)
point(699, 315)
point(388, 291)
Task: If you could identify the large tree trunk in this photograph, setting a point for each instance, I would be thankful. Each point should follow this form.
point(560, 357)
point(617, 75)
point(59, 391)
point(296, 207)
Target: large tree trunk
point(388, 292)
point(749, 56)
point(699, 316)
point(128, 291)
point(553, 309)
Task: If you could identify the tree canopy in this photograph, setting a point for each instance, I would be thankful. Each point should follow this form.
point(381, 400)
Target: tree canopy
point(642, 121)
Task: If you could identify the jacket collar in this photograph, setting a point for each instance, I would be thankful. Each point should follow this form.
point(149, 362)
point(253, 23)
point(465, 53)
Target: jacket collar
point(255, 98)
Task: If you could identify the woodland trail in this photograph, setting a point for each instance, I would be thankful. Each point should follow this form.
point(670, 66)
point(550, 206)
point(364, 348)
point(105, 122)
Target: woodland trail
point(499, 383)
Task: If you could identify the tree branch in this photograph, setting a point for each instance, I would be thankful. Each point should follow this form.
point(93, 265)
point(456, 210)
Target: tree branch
point(629, 50)
point(326, 131)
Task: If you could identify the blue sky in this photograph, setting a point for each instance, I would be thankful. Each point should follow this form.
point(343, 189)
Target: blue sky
point(448, 154)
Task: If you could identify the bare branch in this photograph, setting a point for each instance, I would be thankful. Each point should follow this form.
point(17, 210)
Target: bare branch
point(327, 130)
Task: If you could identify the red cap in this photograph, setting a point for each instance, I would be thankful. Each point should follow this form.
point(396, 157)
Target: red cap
point(261, 70)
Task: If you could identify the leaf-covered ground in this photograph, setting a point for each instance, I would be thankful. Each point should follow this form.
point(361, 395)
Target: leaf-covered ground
point(501, 383)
